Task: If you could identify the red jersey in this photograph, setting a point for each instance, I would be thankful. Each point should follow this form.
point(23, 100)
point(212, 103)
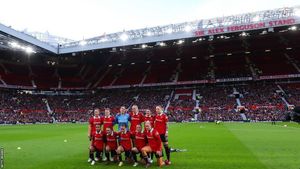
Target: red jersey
point(150, 119)
point(93, 122)
point(139, 140)
point(111, 140)
point(160, 123)
point(125, 140)
point(98, 140)
point(135, 120)
point(108, 122)
point(154, 140)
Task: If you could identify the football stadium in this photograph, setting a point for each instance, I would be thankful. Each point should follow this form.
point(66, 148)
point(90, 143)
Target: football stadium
point(218, 92)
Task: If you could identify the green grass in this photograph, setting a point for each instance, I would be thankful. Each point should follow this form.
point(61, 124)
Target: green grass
point(210, 146)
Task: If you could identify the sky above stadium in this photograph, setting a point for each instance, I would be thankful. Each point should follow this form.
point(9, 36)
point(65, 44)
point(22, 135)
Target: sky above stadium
point(81, 19)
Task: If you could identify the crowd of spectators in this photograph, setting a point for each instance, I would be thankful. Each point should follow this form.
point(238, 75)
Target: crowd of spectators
point(262, 103)
point(220, 115)
point(217, 97)
point(259, 94)
point(265, 114)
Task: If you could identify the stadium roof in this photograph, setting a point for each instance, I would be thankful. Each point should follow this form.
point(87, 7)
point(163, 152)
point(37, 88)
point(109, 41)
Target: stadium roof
point(208, 27)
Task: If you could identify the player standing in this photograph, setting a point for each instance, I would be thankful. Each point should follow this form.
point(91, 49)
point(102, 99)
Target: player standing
point(122, 118)
point(95, 120)
point(108, 120)
point(125, 144)
point(154, 145)
point(137, 118)
point(148, 117)
point(161, 125)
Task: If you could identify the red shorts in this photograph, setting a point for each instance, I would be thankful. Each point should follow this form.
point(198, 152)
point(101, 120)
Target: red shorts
point(155, 148)
point(98, 146)
point(112, 146)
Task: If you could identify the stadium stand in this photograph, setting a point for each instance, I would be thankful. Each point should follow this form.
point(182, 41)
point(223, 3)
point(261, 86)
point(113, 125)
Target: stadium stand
point(258, 70)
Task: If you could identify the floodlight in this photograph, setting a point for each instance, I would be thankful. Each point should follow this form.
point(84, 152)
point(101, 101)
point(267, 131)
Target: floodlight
point(188, 28)
point(169, 30)
point(15, 45)
point(162, 44)
point(82, 43)
point(293, 28)
point(29, 50)
point(124, 37)
point(149, 33)
point(180, 42)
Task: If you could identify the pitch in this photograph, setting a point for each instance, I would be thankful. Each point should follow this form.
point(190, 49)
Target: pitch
point(209, 146)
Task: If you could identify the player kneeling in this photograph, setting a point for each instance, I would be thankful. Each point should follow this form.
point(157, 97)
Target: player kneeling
point(124, 144)
point(96, 146)
point(139, 141)
point(154, 145)
point(111, 144)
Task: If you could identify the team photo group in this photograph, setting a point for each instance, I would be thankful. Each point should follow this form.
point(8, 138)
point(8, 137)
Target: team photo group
point(138, 137)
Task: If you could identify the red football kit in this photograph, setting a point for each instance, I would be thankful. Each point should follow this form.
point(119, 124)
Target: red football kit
point(98, 140)
point(111, 140)
point(140, 140)
point(160, 123)
point(136, 118)
point(95, 120)
point(108, 122)
point(125, 140)
point(154, 140)
point(150, 119)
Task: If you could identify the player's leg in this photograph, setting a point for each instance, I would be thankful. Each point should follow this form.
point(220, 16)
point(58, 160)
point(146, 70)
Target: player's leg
point(168, 152)
point(128, 155)
point(150, 157)
point(91, 155)
point(141, 156)
point(164, 139)
point(158, 155)
point(119, 151)
point(145, 150)
point(104, 158)
point(107, 152)
point(114, 155)
point(134, 152)
point(98, 153)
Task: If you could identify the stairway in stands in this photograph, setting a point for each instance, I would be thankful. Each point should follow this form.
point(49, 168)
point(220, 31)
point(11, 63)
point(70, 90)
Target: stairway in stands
point(282, 95)
point(49, 110)
point(169, 101)
point(239, 104)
